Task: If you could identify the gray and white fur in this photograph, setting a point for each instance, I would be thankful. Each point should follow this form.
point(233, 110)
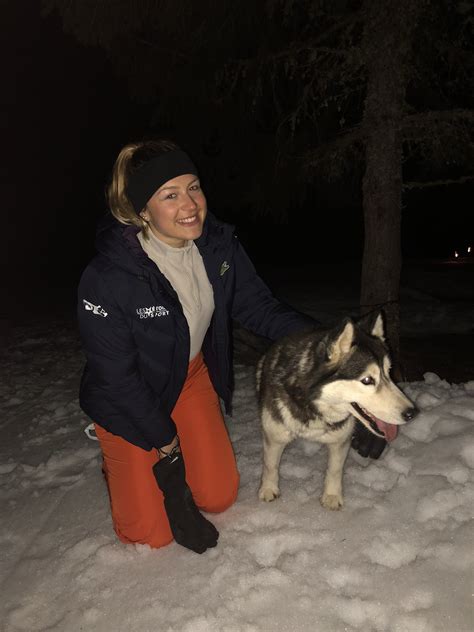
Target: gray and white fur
point(317, 385)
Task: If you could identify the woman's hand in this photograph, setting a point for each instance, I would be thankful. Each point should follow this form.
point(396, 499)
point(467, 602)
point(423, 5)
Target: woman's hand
point(167, 449)
point(366, 443)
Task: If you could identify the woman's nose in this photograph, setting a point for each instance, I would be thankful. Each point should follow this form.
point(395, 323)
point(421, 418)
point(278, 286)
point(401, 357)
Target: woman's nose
point(189, 202)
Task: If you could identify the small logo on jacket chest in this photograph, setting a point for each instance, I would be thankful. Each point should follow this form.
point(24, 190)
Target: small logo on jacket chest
point(224, 267)
point(155, 311)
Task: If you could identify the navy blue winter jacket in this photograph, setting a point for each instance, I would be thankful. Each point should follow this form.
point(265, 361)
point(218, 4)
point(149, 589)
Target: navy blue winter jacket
point(136, 338)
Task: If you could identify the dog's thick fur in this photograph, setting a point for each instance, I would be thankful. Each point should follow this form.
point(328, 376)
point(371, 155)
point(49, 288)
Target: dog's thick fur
point(317, 385)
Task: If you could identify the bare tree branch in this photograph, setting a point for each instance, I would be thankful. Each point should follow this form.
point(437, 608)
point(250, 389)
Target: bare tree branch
point(339, 145)
point(170, 51)
point(425, 119)
point(309, 46)
point(416, 121)
point(437, 183)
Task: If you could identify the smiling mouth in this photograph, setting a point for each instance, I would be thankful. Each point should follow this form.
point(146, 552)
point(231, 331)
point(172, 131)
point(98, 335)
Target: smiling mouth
point(377, 426)
point(187, 220)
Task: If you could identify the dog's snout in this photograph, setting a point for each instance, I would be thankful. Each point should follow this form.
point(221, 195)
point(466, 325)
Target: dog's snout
point(410, 413)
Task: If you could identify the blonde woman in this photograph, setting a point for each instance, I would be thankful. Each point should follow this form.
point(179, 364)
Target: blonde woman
point(155, 311)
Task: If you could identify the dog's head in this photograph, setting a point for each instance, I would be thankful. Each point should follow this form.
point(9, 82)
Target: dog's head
point(355, 364)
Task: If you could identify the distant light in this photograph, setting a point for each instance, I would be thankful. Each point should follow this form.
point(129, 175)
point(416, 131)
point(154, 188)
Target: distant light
point(456, 254)
point(469, 249)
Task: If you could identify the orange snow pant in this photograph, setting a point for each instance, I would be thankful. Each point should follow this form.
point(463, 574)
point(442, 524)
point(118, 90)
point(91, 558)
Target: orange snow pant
point(138, 511)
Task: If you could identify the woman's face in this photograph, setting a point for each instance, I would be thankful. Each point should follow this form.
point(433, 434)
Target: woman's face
point(177, 210)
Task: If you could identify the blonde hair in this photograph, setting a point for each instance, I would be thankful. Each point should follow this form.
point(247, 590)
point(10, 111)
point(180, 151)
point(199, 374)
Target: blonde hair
point(130, 158)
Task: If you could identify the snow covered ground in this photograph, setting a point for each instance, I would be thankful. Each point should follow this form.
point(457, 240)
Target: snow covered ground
point(397, 558)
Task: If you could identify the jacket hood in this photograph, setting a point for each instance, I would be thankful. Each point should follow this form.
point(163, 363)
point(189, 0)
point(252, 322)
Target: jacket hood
point(119, 243)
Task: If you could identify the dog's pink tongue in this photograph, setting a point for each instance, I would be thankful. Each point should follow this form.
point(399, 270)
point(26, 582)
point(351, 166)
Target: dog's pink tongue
point(390, 430)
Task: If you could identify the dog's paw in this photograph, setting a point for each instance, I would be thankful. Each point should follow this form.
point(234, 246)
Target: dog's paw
point(268, 493)
point(330, 501)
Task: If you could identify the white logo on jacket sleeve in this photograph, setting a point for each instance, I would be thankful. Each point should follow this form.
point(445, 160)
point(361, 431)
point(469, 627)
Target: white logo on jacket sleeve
point(155, 311)
point(95, 309)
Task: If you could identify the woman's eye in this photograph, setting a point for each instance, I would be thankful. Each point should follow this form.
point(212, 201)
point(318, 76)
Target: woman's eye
point(170, 196)
point(194, 187)
point(368, 381)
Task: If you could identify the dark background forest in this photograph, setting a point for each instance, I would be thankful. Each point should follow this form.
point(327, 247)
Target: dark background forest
point(273, 103)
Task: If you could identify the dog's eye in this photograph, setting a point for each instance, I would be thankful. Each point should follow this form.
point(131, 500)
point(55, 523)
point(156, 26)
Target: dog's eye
point(368, 381)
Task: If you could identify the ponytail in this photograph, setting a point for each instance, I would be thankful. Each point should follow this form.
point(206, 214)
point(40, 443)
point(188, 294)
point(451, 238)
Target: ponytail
point(119, 204)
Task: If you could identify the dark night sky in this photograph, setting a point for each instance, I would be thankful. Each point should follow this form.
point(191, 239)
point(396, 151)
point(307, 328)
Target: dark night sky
point(84, 117)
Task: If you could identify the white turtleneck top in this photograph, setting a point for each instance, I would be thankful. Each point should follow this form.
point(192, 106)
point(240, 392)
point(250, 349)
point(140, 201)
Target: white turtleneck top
point(184, 269)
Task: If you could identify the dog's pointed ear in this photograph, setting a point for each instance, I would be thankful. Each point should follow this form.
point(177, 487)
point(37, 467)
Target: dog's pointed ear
point(341, 344)
point(374, 324)
point(378, 328)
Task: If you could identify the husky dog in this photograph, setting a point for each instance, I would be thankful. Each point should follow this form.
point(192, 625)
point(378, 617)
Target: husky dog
point(317, 385)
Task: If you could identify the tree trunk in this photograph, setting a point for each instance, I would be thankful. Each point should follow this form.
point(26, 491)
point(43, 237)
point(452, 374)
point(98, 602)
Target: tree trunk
point(387, 42)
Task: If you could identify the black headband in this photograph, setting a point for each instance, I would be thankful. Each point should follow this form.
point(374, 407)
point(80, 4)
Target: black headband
point(154, 173)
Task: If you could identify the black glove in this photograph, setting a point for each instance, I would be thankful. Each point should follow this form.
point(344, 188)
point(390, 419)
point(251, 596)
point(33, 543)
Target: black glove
point(188, 525)
point(366, 443)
